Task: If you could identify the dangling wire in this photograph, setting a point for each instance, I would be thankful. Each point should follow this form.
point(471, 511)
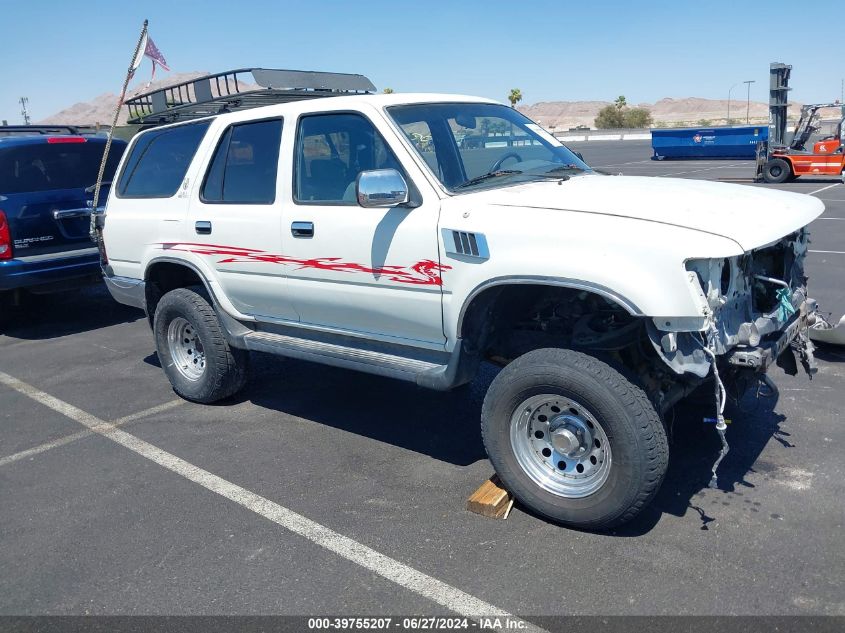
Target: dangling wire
point(721, 398)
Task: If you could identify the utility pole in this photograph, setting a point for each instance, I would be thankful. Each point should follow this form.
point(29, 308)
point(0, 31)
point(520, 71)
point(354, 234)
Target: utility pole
point(748, 99)
point(728, 122)
point(24, 101)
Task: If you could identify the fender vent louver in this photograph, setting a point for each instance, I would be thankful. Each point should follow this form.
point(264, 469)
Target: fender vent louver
point(465, 243)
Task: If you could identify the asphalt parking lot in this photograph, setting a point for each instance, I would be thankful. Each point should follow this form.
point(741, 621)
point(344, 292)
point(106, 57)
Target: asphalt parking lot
point(282, 500)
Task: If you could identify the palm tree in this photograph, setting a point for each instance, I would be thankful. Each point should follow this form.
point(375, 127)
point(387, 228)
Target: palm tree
point(620, 102)
point(514, 97)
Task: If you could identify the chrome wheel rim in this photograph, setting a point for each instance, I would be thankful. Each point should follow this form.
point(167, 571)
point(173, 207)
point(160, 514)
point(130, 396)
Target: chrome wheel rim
point(186, 348)
point(560, 445)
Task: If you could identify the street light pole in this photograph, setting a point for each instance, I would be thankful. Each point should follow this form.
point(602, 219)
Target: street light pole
point(728, 122)
point(748, 99)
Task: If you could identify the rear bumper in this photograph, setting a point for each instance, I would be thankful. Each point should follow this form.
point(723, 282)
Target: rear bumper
point(128, 291)
point(30, 272)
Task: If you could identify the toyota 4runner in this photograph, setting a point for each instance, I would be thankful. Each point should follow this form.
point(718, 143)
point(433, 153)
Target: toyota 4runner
point(415, 236)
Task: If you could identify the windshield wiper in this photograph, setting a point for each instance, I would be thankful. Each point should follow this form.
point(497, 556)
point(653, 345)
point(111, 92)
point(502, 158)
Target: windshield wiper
point(487, 176)
point(557, 173)
point(557, 170)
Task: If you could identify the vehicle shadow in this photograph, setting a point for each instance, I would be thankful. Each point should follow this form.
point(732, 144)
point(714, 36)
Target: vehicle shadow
point(445, 426)
point(42, 317)
point(829, 352)
point(821, 180)
point(694, 446)
point(442, 425)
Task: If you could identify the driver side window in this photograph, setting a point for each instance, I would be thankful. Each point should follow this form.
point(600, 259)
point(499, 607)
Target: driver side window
point(331, 150)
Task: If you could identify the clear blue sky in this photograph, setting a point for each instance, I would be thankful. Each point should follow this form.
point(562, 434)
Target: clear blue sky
point(64, 51)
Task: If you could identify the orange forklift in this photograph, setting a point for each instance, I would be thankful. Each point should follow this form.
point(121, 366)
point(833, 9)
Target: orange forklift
point(777, 162)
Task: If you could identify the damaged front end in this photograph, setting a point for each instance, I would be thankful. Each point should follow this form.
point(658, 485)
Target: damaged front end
point(755, 312)
point(758, 308)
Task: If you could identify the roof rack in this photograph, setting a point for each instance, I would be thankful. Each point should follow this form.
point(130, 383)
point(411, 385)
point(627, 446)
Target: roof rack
point(238, 90)
point(25, 130)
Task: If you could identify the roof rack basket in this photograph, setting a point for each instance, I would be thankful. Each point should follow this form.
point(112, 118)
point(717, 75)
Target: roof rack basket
point(239, 90)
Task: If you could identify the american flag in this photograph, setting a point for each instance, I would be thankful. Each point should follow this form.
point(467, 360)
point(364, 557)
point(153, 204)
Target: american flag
point(155, 55)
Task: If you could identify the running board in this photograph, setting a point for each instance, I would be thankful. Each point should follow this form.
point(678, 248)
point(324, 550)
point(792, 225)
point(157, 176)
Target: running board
point(372, 362)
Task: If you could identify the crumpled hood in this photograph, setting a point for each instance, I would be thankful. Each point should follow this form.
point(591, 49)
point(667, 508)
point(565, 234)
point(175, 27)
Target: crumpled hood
point(750, 216)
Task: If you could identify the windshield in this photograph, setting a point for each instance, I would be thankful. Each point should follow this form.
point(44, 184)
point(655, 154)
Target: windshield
point(473, 146)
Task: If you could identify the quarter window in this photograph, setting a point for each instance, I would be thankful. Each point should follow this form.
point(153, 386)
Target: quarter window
point(158, 161)
point(331, 150)
point(245, 164)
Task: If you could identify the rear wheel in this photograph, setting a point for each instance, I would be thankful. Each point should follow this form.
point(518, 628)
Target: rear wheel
point(776, 170)
point(194, 354)
point(573, 439)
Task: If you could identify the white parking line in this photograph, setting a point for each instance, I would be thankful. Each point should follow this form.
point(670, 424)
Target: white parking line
point(824, 188)
point(403, 575)
point(633, 162)
point(833, 252)
point(693, 171)
point(62, 441)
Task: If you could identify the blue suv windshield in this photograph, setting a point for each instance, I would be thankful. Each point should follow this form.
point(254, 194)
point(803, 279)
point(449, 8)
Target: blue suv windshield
point(473, 146)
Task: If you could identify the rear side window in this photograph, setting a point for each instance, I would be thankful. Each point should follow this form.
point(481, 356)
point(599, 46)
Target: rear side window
point(53, 166)
point(245, 164)
point(158, 161)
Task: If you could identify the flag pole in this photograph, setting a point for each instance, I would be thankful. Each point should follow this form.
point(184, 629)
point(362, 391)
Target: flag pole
point(95, 231)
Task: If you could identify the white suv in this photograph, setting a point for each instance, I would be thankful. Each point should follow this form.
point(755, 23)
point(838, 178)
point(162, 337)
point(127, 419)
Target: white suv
point(415, 236)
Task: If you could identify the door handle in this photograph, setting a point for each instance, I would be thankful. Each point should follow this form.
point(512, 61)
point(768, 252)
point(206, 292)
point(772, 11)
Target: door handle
point(203, 227)
point(302, 229)
point(70, 213)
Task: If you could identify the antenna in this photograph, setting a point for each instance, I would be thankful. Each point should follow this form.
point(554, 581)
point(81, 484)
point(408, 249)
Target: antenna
point(24, 101)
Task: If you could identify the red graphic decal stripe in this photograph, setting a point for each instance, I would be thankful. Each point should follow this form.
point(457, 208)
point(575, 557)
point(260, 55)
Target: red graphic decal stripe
point(423, 273)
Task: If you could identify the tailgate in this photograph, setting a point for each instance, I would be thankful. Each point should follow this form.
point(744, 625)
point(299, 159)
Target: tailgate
point(47, 222)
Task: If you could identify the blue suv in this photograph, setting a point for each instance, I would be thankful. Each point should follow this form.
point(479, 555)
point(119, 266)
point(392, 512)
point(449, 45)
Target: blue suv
point(46, 199)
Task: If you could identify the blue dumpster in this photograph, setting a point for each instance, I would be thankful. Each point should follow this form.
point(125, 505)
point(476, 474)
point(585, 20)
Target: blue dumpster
point(712, 142)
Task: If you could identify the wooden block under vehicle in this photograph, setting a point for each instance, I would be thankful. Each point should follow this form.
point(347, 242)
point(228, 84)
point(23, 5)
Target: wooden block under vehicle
point(491, 500)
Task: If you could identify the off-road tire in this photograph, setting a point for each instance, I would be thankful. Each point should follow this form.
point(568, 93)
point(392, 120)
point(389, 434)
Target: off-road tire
point(225, 370)
point(637, 438)
point(776, 170)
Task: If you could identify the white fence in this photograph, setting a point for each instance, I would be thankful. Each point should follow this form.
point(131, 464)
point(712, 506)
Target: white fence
point(575, 136)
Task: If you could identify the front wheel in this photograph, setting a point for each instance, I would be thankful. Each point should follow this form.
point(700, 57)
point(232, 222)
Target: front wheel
point(194, 354)
point(776, 170)
point(573, 439)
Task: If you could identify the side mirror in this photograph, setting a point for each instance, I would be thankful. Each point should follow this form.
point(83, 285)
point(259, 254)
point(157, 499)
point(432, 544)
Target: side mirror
point(381, 188)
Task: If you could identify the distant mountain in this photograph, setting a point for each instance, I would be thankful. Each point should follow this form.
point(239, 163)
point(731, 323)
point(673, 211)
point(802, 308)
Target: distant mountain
point(561, 115)
point(101, 109)
point(557, 115)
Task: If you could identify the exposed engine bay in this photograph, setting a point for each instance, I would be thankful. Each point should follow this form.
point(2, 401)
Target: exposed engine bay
point(757, 310)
